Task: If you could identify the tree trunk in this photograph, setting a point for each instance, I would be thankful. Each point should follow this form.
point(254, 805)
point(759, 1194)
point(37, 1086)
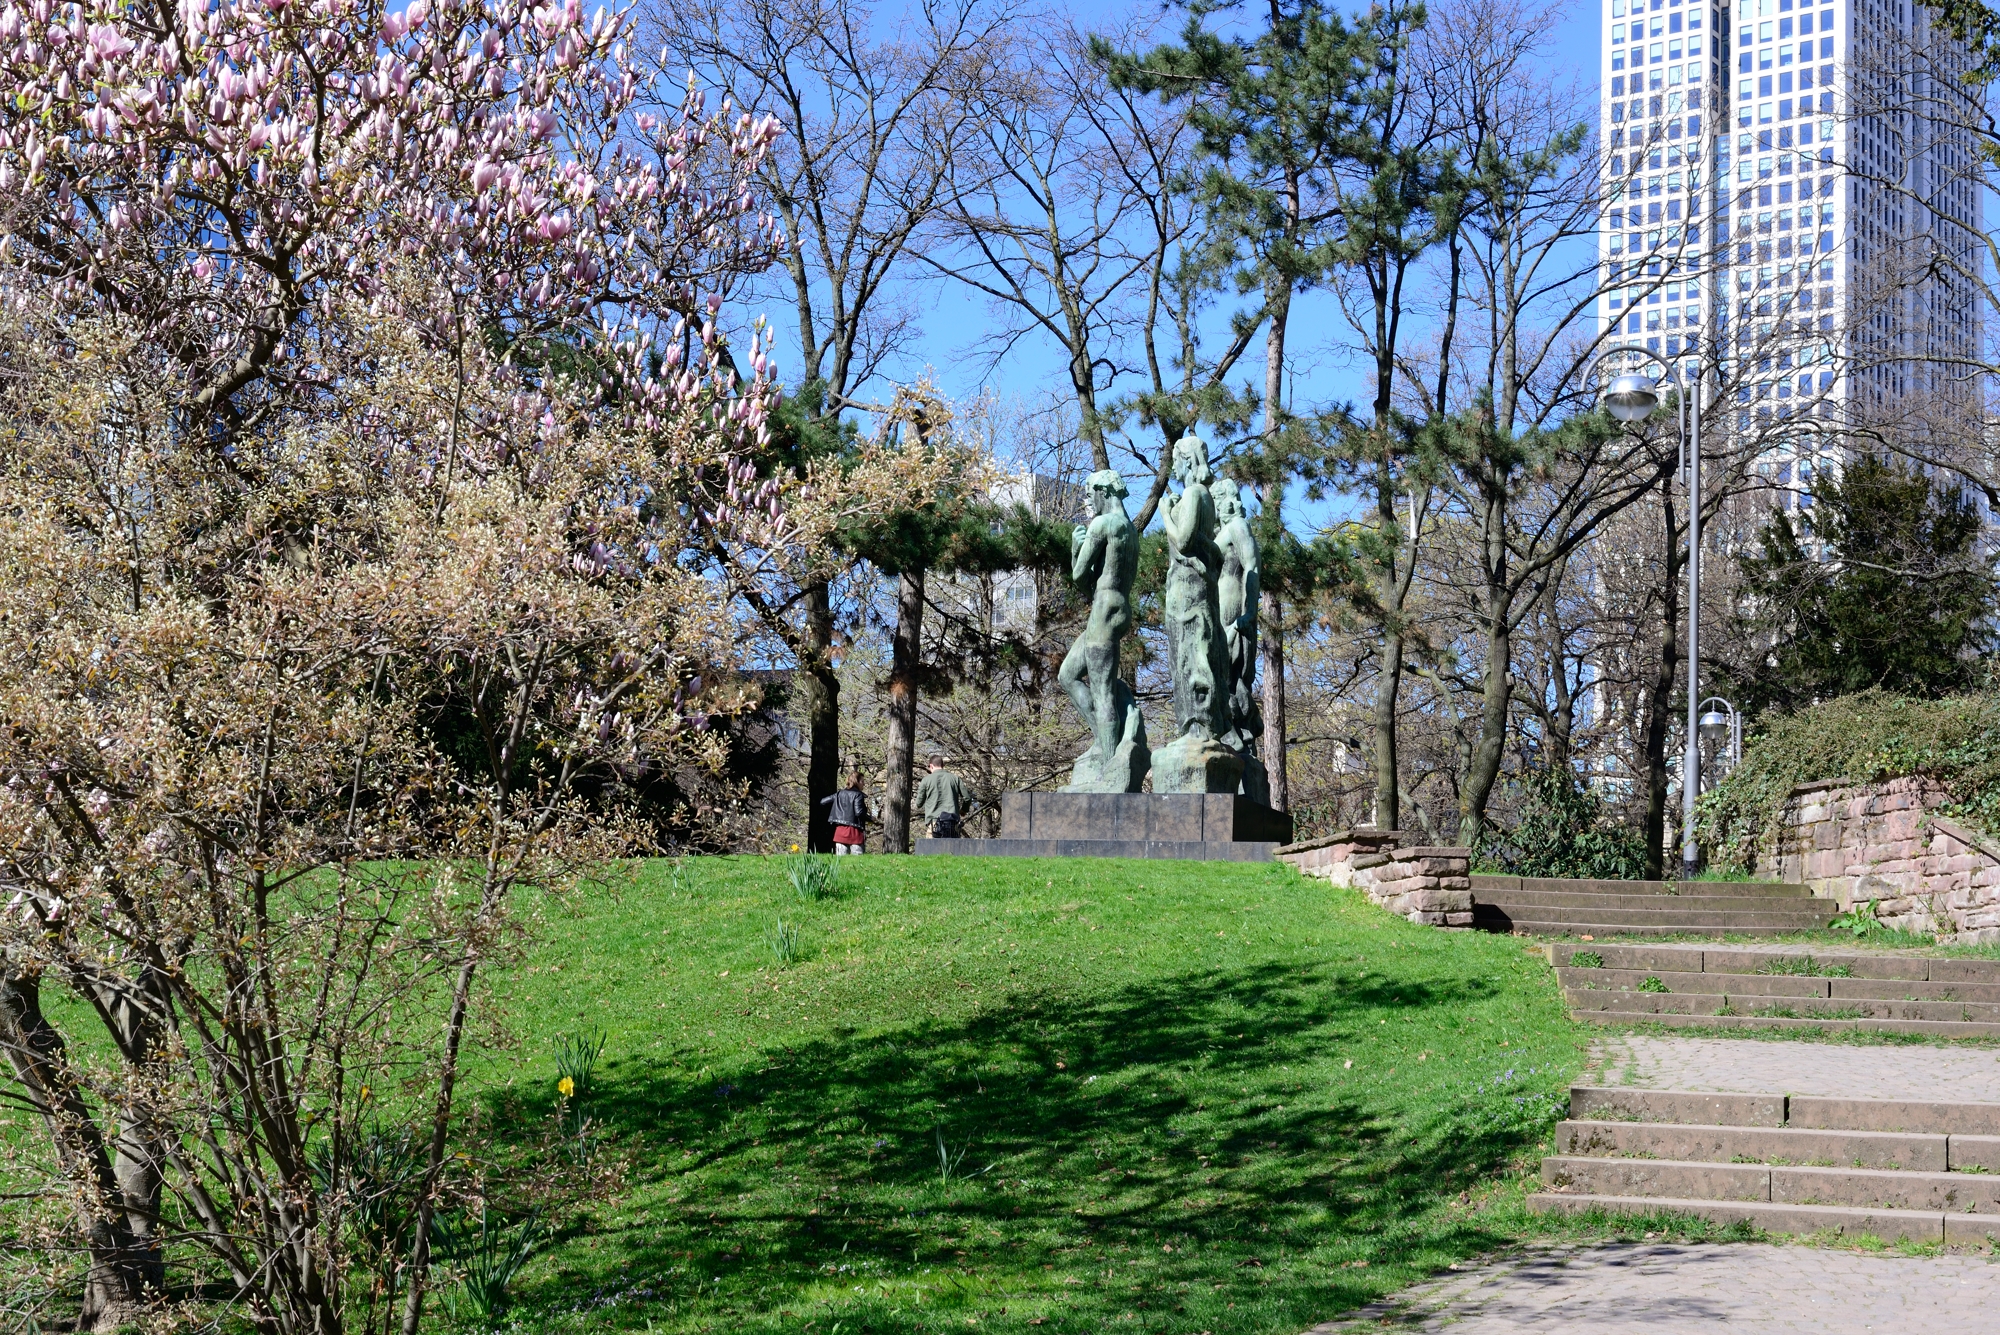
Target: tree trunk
point(136, 1152)
point(1388, 691)
point(441, 1106)
point(906, 652)
point(1659, 705)
point(1498, 694)
point(1486, 755)
point(1278, 301)
point(1274, 704)
point(115, 1290)
point(1389, 591)
point(822, 707)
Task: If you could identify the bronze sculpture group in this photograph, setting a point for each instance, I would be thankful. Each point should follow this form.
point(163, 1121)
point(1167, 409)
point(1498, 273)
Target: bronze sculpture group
point(1210, 603)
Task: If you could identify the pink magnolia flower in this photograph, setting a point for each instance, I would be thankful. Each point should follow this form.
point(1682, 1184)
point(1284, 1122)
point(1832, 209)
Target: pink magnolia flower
point(107, 41)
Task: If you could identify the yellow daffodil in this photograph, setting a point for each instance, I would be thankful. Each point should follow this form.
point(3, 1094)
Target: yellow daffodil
point(566, 1086)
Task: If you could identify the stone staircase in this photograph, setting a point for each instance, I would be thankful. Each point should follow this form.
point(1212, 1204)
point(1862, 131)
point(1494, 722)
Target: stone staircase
point(1538, 907)
point(1927, 1171)
point(1765, 987)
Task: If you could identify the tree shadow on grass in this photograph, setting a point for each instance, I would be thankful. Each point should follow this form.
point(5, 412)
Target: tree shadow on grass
point(1160, 1121)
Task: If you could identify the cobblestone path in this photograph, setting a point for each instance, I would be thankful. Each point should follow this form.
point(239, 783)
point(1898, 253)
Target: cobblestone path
point(1752, 1066)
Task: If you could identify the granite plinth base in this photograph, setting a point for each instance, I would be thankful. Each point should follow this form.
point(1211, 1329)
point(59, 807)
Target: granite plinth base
point(1182, 850)
point(1207, 827)
point(1172, 817)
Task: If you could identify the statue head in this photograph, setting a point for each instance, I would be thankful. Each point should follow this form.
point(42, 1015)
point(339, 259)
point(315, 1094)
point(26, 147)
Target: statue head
point(1228, 500)
point(1106, 491)
point(1191, 461)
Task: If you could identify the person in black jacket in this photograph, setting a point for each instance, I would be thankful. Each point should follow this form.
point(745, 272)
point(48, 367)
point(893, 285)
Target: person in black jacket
point(849, 816)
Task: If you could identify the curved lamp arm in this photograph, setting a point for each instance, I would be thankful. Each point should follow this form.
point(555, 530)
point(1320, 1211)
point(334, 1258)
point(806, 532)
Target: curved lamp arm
point(1672, 377)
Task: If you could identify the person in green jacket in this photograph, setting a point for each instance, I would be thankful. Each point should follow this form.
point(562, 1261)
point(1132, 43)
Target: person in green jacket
point(943, 800)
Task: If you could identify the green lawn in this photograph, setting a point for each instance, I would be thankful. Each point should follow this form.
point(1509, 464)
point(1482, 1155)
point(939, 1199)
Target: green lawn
point(1180, 1098)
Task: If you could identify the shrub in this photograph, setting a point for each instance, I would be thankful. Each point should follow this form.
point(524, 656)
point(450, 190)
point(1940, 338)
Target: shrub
point(1563, 832)
point(1863, 738)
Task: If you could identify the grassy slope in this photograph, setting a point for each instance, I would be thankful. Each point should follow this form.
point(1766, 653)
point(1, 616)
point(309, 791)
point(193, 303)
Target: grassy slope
point(1198, 1098)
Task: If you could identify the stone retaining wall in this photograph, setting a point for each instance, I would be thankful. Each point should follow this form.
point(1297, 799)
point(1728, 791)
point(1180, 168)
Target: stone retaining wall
point(1853, 842)
point(1425, 885)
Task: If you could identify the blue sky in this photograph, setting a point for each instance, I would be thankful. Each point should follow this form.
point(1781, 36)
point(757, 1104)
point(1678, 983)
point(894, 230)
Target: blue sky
point(953, 315)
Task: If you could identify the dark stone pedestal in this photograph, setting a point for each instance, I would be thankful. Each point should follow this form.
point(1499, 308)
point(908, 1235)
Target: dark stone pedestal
point(1202, 827)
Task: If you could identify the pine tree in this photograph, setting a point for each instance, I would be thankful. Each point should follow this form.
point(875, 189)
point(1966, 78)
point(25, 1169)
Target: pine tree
point(1311, 171)
point(1882, 582)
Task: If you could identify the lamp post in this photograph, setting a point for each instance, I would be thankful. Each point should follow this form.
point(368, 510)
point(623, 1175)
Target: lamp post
point(1722, 728)
point(1632, 398)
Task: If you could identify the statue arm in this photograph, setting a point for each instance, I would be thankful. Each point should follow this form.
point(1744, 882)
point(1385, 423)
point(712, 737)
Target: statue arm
point(1089, 550)
point(1252, 582)
point(1182, 520)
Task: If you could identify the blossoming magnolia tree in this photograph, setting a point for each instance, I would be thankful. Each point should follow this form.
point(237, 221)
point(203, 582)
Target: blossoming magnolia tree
point(363, 393)
point(216, 171)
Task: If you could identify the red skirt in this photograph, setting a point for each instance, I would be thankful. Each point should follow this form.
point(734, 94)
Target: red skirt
point(848, 834)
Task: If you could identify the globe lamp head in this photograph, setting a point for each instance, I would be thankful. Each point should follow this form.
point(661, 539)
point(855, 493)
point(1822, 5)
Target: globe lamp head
point(1713, 726)
point(1631, 398)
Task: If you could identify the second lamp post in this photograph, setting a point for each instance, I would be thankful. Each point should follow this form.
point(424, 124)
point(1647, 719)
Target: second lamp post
point(1632, 398)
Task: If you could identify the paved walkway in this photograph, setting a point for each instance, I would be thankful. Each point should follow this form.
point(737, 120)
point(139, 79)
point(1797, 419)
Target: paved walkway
point(1628, 1288)
point(1752, 1066)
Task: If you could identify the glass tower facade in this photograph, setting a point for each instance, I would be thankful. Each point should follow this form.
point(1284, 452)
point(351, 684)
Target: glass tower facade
point(1662, 63)
point(1791, 185)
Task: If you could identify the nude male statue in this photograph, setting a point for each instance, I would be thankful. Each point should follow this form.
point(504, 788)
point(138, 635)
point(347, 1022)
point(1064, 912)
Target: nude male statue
point(1237, 593)
point(1194, 563)
point(1197, 760)
point(1104, 555)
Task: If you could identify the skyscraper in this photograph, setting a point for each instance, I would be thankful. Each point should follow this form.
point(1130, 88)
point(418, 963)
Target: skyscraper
point(1662, 60)
point(1794, 184)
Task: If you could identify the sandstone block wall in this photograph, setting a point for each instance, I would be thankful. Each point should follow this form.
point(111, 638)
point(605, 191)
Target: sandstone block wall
point(1425, 885)
point(1853, 842)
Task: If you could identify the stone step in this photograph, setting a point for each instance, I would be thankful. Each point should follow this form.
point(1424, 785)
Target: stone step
point(1909, 1151)
point(1584, 927)
point(1521, 904)
point(1874, 1188)
point(1779, 1007)
point(1600, 1103)
point(1822, 1024)
point(1889, 1225)
point(1485, 886)
point(1967, 1122)
point(1769, 960)
point(1635, 1001)
point(1650, 1003)
point(1899, 989)
point(1780, 985)
point(1736, 984)
point(1625, 919)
